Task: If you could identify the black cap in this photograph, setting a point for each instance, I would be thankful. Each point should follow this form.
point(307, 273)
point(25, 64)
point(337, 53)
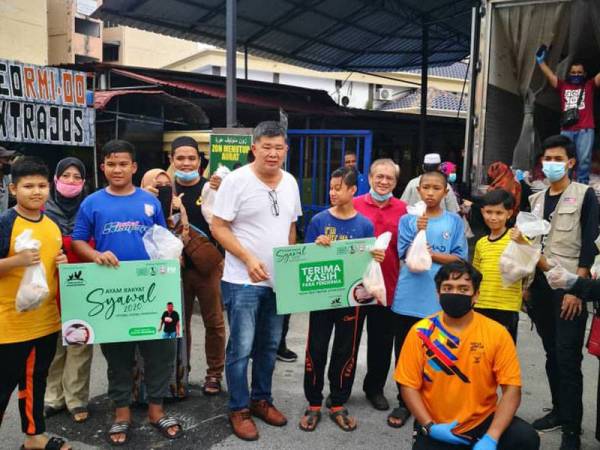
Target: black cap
point(184, 141)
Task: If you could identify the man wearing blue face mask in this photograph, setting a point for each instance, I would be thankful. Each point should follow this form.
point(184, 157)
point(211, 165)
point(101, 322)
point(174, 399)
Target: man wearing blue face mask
point(577, 107)
point(560, 318)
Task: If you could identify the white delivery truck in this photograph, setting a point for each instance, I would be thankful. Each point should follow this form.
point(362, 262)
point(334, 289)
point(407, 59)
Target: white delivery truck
point(512, 106)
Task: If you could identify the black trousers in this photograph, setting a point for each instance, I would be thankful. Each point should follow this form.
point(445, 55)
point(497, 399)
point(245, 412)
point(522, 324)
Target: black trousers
point(380, 342)
point(159, 361)
point(402, 325)
point(26, 365)
point(348, 324)
point(519, 435)
point(284, 332)
point(563, 343)
point(508, 319)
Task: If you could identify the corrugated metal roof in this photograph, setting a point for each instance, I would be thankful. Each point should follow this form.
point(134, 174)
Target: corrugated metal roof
point(290, 102)
point(457, 71)
point(436, 99)
point(193, 113)
point(348, 35)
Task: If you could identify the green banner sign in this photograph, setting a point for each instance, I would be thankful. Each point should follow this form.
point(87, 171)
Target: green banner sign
point(102, 304)
point(229, 150)
point(310, 277)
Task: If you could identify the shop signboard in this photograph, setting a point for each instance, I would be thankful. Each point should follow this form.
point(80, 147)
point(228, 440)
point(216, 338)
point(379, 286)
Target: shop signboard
point(44, 105)
point(101, 304)
point(229, 150)
point(311, 277)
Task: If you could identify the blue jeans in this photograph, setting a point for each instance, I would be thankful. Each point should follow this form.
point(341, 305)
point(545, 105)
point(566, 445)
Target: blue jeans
point(584, 142)
point(254, 332)
point(172, 335)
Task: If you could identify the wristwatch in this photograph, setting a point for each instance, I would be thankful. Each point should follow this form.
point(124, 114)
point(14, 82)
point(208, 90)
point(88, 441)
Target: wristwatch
point(426, 429)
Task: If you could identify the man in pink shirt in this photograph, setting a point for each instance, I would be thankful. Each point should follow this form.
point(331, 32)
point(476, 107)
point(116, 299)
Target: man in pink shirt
point(384, 211)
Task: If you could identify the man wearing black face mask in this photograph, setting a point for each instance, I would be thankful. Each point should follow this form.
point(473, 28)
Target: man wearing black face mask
point(576, 93)
point(5, 157)
point(450, 368)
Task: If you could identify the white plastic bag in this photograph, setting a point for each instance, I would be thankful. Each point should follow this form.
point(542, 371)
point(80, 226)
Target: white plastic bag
point(418, 258)
point(160, 243)
point(418, 209)
point(531, 225)
point(518, 261)
point(33, 289)
point(560, 278)
point(209, 195)
point(373, 276)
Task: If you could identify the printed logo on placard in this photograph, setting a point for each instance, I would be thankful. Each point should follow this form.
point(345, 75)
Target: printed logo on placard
point(335, 302)
point(321, 275)
point(75, 279)
point(289, 254)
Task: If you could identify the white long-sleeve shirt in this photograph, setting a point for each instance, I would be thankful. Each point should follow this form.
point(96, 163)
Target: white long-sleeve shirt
point(411, 196)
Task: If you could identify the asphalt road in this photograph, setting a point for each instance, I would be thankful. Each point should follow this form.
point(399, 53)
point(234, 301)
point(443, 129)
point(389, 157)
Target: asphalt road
point(205, 418)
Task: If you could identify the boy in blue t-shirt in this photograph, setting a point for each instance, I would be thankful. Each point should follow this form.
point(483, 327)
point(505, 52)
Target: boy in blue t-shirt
point(416, 296)
point(339, 222)
point(117, 218)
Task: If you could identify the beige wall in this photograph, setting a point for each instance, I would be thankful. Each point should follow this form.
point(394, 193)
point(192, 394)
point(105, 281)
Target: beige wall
point(60, 29)
point(144, 49)
point(63, 42)
point(23, 31)
point(216, 57)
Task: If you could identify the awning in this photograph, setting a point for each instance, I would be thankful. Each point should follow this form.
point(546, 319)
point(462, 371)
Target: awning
point(193, 113)
point(342, 35)
point(290, 103)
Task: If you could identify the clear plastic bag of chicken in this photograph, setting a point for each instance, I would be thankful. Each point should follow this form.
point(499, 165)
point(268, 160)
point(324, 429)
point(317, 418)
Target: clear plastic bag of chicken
point(33, 289)
point(373, 277)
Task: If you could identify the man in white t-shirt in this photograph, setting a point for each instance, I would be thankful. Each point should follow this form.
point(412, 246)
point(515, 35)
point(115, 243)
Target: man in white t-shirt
point(255, 210)
point(431, 163)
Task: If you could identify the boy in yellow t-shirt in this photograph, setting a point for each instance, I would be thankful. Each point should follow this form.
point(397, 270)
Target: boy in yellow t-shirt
point(28, 338)
point(495, 301)
point(450, 368)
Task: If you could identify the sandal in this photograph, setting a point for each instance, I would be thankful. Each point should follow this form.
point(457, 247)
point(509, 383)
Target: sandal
point(123, 427)
point(54, 443)
point(166, 422)
point(50, 411)
point(345, 424)
point(77, 411)
point(313, 417)
point(400, 413)
point(212, 386)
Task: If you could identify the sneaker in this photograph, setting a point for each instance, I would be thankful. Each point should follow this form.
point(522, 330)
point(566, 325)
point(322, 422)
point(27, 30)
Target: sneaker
point(547, 423)
point(570, 441)
point(286, 355)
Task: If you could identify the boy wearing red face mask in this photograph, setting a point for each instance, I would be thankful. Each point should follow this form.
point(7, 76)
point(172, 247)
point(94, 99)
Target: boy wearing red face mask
point(68, 381)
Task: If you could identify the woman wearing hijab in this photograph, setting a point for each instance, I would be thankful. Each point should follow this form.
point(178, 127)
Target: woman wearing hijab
point(500, 176)
point(159, 183)
point(68, 381)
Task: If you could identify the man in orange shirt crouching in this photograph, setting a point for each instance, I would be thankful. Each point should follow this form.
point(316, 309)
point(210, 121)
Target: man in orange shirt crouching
point(450, 367)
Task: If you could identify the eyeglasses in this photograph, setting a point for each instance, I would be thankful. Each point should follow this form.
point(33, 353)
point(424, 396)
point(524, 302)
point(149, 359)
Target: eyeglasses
point(274, 204)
